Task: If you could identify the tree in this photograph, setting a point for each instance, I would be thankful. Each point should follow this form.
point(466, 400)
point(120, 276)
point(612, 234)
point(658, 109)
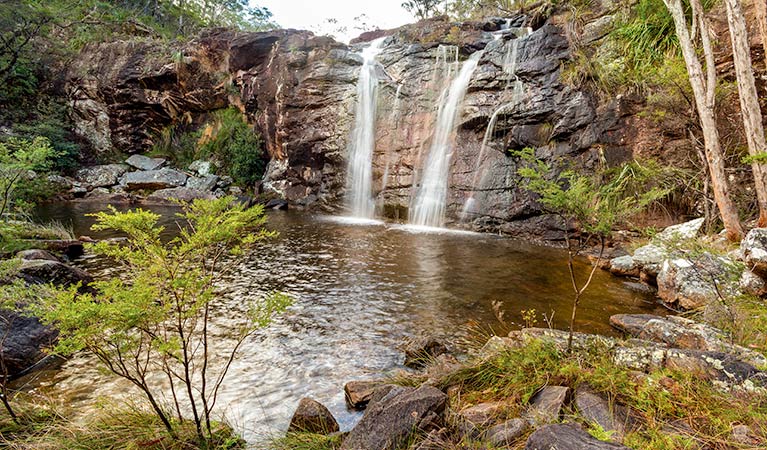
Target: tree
point(593, 204)
point(749, 103)
point(156, 318)
point(17, 158)
point(704, 90)
point(421, 9)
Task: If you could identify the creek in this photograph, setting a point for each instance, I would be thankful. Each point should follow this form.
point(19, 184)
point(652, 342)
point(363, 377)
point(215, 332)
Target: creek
point(360, 291)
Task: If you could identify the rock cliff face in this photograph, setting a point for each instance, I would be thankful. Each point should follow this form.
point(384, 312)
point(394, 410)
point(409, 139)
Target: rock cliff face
point(299, 91)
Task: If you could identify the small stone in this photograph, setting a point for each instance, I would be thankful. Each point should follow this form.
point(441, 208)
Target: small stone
point(277, 203)
point(507, 433)
point(754, 249)
point(358, 393)
point(420, 351)
point(201, 167)
point(753, 284)
point(546, 405)
point(312, 416)
point(483, 414)
point(682, 231)
point(596, 409)
point(142, 162)
point(649, 254)
point(224, 182)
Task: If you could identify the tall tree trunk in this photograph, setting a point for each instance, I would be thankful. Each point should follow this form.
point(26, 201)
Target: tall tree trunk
point(749, 101)
point(761, 20)
point(703, 90)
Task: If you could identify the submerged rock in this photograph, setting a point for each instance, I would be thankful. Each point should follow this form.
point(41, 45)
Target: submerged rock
point(312, 416)
point(392, 419)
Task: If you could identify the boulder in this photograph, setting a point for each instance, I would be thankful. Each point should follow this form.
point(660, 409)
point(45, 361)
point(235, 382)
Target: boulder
point(649, 254)
point(60, 182)
point(205, 183)
point(753, 284)
point(36, 254)
point(154, 179)
point(312, 416)
point(389, 422)
point(624, 266)
point(680, 232)
point(46, 271)
point(224, 182)
point(506, 433)
point(546, 405)
point(142, 162)
point(201, 167)
point(101, 176)
point(692, 284)
point(754, 249)
point(595, 409)
point(25, 338)
point(358, 393)
point(567, 436)
point(181, 193)
point(420, 351)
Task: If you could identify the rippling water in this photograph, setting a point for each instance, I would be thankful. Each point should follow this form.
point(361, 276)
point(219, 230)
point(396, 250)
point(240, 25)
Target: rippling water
point(360, 290)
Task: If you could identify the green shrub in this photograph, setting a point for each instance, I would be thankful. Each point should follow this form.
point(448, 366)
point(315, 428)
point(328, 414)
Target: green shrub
point(235, 147)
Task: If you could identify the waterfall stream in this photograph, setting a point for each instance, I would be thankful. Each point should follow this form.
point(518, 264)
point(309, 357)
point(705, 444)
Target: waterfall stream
point(428, 208)
point(359, 175)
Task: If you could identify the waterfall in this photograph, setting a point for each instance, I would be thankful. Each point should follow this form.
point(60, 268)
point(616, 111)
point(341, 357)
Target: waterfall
point(431, 197)
point(359, 174)
point(509, 68)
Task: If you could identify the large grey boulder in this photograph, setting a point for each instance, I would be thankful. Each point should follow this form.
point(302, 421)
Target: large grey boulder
point(142, 162)
point(624, 266)
point(753, 284)
point(312, 416)
point(391, 420)
point(683, 333)
point(181, 193)
point(201, 167)
point(25, 338)
point(154, 179)
point(101, 176)
point(649, 254)
point(694, 283)
point(567, 436)
point(754, 249)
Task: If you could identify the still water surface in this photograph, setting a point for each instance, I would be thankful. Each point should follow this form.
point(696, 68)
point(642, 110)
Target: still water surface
point(360, 291)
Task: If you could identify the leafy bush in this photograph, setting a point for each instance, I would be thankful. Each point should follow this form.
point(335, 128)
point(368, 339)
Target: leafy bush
point(235, 147)
point(155, 320)
point(20, 159)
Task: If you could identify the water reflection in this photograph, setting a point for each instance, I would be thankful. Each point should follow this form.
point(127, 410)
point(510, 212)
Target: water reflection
point(360, 291)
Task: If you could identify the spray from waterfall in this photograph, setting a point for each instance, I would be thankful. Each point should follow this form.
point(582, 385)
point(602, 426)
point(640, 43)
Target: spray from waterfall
point(359, 174)
point(428, 207)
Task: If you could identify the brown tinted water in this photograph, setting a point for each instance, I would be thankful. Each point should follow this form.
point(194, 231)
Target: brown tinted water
point(360, 291)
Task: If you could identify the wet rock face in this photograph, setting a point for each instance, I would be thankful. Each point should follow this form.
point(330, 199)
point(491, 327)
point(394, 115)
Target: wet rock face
point(299, 91)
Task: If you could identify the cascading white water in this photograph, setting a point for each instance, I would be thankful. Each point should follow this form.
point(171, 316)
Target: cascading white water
point(428, 208)
point(509, 68)
point(359, 174)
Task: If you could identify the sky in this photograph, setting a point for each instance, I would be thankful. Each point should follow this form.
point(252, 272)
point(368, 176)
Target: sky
point(313, 15)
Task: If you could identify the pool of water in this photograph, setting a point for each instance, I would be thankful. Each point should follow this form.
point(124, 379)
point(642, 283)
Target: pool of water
point(360, 290)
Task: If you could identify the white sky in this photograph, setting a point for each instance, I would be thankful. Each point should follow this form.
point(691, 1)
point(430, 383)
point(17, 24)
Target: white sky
point(313, 14)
